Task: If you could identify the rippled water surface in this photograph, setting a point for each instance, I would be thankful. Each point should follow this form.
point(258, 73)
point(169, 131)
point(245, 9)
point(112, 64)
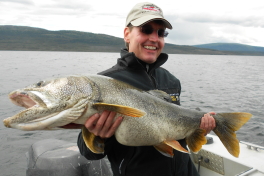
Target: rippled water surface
point(210, 83)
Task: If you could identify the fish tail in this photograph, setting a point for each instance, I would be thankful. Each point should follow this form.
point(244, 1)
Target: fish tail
point(226, 126)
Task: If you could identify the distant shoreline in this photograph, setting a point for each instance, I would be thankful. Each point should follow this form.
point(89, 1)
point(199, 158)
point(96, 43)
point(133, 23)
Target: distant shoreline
point(23, 38)
point(232, 54)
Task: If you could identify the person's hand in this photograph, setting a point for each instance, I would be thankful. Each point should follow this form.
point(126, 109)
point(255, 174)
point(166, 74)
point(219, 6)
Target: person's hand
point(208, 122)
point(103, 125)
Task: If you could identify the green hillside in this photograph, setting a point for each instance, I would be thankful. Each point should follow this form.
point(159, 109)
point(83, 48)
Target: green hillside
point(36, 39)
point(22, 38)
point(232, 47)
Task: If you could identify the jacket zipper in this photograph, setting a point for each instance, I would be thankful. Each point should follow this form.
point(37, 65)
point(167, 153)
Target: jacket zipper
point(152, 79)
point(120, 166)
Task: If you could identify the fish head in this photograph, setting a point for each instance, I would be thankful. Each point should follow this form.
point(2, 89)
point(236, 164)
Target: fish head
point(50, 104)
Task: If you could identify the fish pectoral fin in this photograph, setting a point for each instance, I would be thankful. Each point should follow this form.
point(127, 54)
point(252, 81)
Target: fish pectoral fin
point(164, 149)
point(176, 145)
point(94, 143)
point(124, 110)
point(196, 140)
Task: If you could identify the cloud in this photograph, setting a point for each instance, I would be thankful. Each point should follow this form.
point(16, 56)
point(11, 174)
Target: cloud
point(186, 33)
point(238, 34)
point(194, 22)
point(24, 2)
point(243, 20)
point(76, 6)
point(201, 28)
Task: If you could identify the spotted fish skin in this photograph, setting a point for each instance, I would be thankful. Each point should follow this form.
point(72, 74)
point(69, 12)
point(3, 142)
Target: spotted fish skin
point(148, 118)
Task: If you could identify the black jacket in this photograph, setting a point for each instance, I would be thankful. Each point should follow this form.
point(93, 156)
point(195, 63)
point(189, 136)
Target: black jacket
point(144, 160)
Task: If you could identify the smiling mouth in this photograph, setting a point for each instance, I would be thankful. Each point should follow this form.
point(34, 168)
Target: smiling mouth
point(150, 47)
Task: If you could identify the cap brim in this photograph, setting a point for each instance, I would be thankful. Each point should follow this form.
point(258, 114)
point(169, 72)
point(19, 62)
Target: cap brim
point(145, 19)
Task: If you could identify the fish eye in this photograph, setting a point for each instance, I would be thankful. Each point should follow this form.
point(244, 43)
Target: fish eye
point(40, 83)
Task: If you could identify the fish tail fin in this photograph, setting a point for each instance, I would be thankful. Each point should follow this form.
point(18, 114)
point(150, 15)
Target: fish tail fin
point(226, 125)
point(196, 140)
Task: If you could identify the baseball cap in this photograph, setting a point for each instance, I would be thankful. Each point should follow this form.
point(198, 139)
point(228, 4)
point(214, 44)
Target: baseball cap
point(145, 12)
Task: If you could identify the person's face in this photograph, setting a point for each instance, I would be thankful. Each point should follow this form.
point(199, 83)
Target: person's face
point(146, 47)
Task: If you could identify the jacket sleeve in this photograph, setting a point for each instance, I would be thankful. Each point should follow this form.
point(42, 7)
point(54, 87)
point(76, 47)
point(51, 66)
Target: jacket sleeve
point(84, 150)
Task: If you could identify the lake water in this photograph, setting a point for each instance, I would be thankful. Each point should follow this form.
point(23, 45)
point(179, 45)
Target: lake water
point(209, 82)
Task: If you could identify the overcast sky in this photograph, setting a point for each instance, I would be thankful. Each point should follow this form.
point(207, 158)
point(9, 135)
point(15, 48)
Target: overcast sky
point(193, 21)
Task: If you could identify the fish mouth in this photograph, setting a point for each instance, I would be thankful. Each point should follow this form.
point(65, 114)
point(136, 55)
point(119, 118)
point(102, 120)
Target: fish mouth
point(23, 99)
point(38, 114)
point(30, 102)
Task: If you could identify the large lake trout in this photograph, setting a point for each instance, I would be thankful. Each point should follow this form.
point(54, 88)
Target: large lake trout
point(149, 119)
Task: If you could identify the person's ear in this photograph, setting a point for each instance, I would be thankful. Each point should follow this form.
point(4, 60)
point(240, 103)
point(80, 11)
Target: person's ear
point(127, 35)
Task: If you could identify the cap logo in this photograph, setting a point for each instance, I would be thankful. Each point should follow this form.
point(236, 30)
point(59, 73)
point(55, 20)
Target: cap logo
point(149, 8)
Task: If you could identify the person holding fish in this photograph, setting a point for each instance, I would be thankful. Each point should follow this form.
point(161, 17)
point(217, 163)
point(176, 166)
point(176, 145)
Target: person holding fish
point(140, 66)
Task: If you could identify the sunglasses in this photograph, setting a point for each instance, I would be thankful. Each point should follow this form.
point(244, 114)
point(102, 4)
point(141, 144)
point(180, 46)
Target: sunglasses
point(147, 29)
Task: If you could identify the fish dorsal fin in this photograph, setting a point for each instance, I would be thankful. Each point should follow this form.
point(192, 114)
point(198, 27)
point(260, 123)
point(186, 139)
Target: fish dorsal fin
point(196, 140)
point(94, 143)
point(124, 110)
point(166, 148)
point(160, 94)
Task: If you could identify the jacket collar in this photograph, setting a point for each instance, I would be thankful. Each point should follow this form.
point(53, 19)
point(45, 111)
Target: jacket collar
point(130, 60)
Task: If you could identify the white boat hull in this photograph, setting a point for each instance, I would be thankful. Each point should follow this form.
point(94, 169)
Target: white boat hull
point(214, 160)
